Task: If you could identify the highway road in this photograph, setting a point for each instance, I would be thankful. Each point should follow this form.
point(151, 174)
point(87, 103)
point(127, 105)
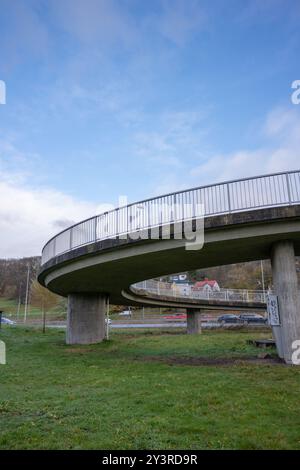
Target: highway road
point(205, 325)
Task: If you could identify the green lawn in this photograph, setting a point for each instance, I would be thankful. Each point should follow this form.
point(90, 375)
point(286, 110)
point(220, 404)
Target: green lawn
point(130, 393)
point(10, 308)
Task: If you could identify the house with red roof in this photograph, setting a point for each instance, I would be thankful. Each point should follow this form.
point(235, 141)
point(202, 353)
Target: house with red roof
point(207, 285)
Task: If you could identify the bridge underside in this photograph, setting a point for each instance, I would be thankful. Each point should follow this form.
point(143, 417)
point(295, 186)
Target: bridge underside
point(110, 267)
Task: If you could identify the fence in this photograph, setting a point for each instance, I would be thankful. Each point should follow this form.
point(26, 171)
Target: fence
point(278, 189)
point(168, 289)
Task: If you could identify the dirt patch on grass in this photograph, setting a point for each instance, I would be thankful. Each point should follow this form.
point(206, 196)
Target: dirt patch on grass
point(221, 362)
point(79, 350)
point(152, 333)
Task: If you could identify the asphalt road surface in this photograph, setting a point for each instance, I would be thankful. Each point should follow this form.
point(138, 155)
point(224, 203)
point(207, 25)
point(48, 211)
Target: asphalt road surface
point(164, 325)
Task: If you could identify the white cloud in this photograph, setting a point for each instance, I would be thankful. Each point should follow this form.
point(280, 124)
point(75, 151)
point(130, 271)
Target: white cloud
point(281, 130)
point(115, 99)
point(282, 123)
point(13, 163)
point(171, 135)
point(156, 149)
point(29, 217)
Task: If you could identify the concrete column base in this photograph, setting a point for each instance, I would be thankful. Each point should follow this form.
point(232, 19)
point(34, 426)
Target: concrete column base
point(193, 322)
point(85, 318)
point(286, 288)
point(277, 336)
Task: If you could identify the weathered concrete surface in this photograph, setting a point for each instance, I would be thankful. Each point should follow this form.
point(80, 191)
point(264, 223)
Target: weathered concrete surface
point(286, 287)
point(85, 318)
point(276, 331)
point(193, 322)
point(111, 266)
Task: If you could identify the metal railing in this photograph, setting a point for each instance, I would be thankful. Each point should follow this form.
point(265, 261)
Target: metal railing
point(185, 292)
point(278, 189)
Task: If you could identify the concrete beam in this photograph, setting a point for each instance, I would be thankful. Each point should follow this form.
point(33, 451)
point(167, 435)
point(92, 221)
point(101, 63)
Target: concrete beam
point(85, 318)
point(286, 287)
point(234, 238)
point(193, 322)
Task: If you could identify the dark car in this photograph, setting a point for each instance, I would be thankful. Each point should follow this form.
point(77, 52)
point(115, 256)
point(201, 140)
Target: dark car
point(228, 318)
point(252, 318)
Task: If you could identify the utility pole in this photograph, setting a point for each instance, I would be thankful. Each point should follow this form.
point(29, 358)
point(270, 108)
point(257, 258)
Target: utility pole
point(27, 294)
point(262, 277)
point(19, 305)
point(107, 318)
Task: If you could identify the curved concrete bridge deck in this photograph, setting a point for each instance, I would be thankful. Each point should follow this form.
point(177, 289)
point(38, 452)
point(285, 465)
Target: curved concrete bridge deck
point(246, 220)
point(163, 294)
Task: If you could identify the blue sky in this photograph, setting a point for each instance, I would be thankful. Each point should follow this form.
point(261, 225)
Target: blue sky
point(134, 97)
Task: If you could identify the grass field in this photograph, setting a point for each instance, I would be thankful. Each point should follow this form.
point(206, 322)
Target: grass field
point(10, 309)
point(145, 391)
point(58, 313)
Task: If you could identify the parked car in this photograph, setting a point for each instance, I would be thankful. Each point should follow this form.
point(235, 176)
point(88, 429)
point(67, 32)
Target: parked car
point(7, 321)
point(125, 313)
point(175, 317)
point(228, 318)
point(252, 318)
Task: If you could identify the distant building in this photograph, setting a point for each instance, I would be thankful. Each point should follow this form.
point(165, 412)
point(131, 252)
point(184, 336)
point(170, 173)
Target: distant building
point(180, 289)
point(206, 285)
point(180, 285)
point(179, 278)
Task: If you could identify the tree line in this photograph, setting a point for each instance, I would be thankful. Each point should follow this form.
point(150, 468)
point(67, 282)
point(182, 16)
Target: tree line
point(13, 276)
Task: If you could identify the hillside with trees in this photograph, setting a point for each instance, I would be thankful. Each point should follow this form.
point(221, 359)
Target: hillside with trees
point(238, 276)
point(14, 272)
point(13, 276)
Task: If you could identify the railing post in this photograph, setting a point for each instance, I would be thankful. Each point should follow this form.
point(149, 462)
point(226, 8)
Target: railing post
point(127, 220)
point(117, 222)
point(288, 188)
point(228, 197)
point(148, 213)
point(175, 207)
point(95, 228)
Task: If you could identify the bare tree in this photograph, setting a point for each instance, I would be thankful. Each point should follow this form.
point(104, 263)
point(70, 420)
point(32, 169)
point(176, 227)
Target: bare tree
point(43, 298)
point(13, 276)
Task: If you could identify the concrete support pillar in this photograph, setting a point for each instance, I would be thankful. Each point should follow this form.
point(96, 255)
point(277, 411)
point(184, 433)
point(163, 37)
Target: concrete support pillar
point(277, 336)
point(85, 318)
point(286, 288)
point(193, 322)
